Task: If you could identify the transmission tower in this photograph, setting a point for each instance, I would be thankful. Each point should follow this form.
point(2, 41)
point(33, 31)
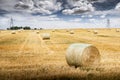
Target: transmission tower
point(108, 23)
point(11, 22)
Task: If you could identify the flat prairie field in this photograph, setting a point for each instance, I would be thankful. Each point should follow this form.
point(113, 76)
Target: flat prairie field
point(24, 55)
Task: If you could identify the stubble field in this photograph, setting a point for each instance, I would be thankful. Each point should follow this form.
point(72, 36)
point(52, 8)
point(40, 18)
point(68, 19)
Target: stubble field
point(26, 56)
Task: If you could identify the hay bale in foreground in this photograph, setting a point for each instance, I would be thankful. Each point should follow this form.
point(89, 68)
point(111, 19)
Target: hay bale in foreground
point(13, 32)
point(80, 55)
point(45, 36)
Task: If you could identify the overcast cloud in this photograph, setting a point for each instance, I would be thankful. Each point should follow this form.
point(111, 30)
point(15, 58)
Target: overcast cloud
point(54, 6)
point(78, 6)
point(59, 13)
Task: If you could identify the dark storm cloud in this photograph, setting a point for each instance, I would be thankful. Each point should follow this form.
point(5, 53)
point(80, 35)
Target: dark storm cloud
point(106, 4)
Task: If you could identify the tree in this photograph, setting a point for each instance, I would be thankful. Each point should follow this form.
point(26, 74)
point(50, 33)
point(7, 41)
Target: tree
point(26, 28)
point(17, 28)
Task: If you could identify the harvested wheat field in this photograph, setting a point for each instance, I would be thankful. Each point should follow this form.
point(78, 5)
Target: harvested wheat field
point(26, 56)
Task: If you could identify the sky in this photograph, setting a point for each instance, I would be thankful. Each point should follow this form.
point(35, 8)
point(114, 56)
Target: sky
point(60, 13)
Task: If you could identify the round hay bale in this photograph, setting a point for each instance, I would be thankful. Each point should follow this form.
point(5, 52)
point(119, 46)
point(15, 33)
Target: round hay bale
point(95, 32)
point(71, 32)
point(53, 30)
point(19, 31)
point(88, 30)
point(45, 36)
point(37, 32)
point(67, 30)
point(117, 30)
point(13, 32)
point(81, 55)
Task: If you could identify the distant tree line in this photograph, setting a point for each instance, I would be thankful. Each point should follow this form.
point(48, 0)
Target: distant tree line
point(17, 28)
point(25, 28)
